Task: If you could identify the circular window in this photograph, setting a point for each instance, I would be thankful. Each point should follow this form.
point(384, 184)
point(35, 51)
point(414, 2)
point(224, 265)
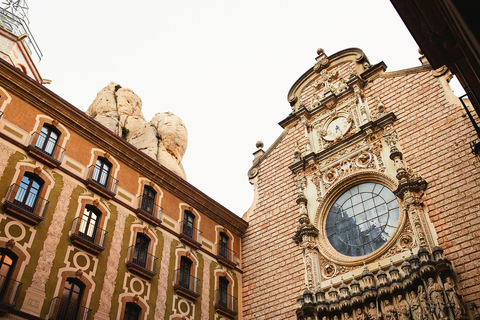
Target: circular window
point(362, 219)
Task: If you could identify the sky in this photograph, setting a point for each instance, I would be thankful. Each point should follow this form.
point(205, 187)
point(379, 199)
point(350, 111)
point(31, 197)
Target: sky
point(223, 66)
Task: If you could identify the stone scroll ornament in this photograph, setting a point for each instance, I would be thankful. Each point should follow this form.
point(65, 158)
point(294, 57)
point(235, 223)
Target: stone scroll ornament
point(422, 288)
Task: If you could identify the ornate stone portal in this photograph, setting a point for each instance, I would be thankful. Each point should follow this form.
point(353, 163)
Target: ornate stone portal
point(368, 213)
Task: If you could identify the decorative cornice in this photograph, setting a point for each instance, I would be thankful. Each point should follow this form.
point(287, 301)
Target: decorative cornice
point(76, 120)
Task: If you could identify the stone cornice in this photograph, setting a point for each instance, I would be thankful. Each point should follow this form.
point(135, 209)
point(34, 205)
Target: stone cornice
point(76, 120)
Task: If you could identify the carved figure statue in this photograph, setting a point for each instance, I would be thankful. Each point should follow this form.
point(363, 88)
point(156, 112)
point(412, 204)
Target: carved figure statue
point(424, 305)
point(360, 315)
point(435, 296)
point(335, 317)
point(453, 298)
point(403, 309)
point(389, 310)
point(342, 85)
point(415, 307)
point(373, 313)
point(346, 316)
point(325, 78)
point(324, 318)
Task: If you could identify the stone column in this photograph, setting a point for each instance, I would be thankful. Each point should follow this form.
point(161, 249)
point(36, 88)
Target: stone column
point(35, 294)
point(112, 267)
point(161, 303)
point(205, 308)
point(411, 189)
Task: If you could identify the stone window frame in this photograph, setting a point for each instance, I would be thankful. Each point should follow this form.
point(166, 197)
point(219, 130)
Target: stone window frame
point(329, 199)
point(133, 298)
point(42, 120)
point(142, 182)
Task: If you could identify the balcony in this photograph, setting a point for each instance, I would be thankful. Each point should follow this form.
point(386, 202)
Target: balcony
point(141, 263)
point(226, 256)
point(27, 207)
point(186, 285)
point(62, 309)
point(190, 235)
point(106, 186)
point(87, 236)
point(225, 304)
point(149, 211)
point(9, 291)
point(45, 151)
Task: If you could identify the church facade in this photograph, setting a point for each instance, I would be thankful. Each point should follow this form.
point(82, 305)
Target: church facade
point(367, 204)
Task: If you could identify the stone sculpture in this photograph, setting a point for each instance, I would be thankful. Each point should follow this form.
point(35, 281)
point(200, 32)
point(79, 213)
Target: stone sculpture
point(403, 309)
point(373, 313)
point(424, 305)
point(453, 298)
point(389, 310)
point(415, 307)
point(435, 296)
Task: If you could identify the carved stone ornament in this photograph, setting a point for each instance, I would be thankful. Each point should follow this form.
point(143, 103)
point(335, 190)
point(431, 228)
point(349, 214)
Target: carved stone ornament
point(135, 298)
point(37, 170)
point(10, 244)
point(96, 203)
point(79, 274)
point(106, 155)
point(406, 294)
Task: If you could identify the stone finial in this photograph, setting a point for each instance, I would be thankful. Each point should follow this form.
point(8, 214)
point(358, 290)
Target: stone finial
point(259, 144)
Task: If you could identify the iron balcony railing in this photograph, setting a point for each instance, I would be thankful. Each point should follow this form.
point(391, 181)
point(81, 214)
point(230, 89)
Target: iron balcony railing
point(224, 252)
point(9, 291)
point(19, 27)
point(142, 259)
point(186, 281)
point(29, 202)
point(64, 309)
point(100, 178)
point(149, 206)
point(40, 142)
point(226, 301)
point(189, 231)
point(89, 232)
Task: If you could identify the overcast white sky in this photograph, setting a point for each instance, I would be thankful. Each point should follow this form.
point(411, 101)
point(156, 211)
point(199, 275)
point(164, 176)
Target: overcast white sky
point(223, 66)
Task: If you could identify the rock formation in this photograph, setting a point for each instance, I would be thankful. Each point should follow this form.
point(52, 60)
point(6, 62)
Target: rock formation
point(164, 138)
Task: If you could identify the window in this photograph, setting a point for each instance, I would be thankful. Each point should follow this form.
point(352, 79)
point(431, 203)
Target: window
point(7, 265)
point(148, 199)
point(185, 267)
point(89, 223)
point(101, 171)
point(140, 252)
point(223, 292)
point(70, 300)
point(132, 311)
point(362, 219)
point(47, 139)
point(188, 220)
point(27, 193)
point(223, 246)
